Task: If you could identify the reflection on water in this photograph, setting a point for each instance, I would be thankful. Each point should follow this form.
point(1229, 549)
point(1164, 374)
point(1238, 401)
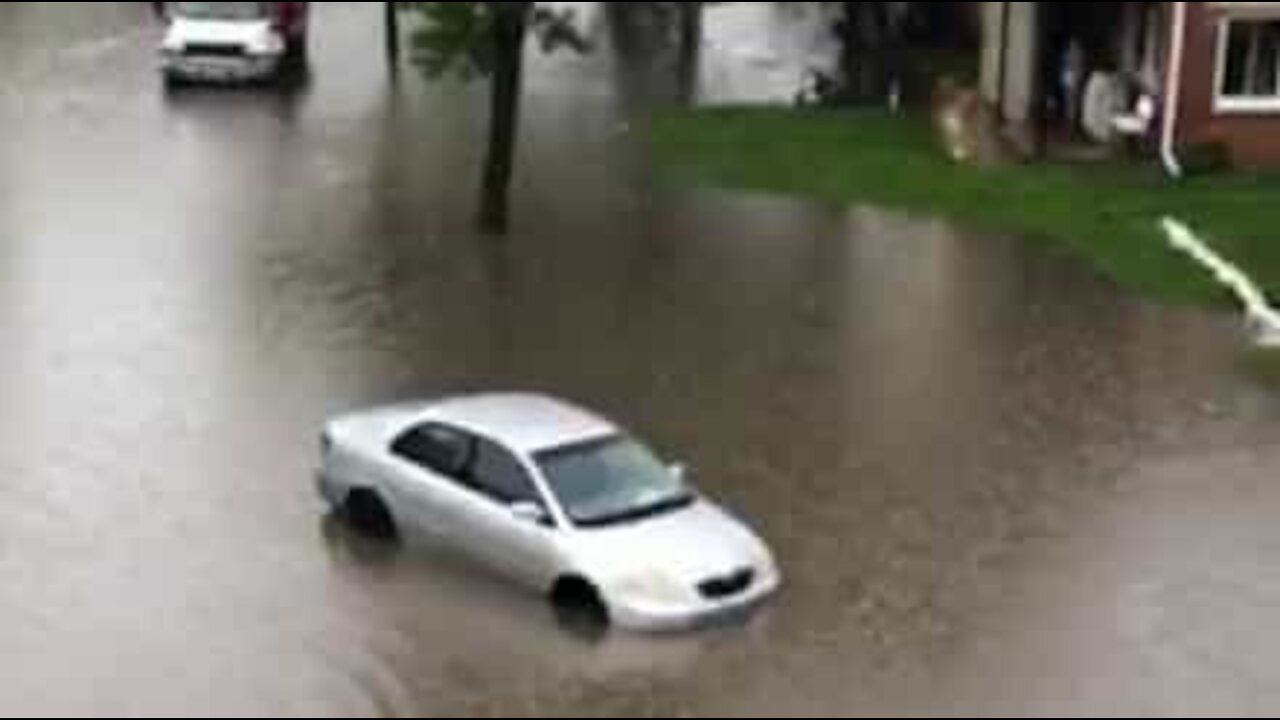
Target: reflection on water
point(750, 52)
point(762, 52)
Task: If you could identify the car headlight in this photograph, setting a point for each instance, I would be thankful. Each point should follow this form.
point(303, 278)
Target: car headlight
point(653, 587)
point(267, 48)
point(768, 569)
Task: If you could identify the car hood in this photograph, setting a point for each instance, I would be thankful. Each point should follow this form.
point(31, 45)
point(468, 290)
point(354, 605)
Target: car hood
point(254, 34)
point(700, 543)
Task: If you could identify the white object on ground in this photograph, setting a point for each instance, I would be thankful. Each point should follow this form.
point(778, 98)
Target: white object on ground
point(1138, 122)
point(1263, 319)
point(1103, 101)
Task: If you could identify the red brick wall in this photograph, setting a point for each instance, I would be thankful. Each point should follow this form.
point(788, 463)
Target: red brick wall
point(1254, 140)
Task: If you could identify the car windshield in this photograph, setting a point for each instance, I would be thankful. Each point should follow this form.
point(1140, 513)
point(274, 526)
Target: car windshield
point(612, 481)
point(220, 10)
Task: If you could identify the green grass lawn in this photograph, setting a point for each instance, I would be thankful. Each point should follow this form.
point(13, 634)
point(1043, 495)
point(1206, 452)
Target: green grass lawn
point(1108, 215)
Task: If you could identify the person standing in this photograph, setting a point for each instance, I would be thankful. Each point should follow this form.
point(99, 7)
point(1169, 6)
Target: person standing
point(1074, 70)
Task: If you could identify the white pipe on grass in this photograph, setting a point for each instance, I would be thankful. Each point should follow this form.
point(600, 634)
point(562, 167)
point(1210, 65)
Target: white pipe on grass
point(1263, 319)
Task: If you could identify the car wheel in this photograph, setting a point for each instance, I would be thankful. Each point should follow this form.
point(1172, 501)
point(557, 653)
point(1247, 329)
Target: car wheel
point(367, 513)
point(579, 608)
point(173, 82)
point(297, 52)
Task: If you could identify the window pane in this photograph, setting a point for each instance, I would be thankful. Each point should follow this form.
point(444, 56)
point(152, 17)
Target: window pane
point(436, 449)
point(447, 450)
point(1252, 60)
point(613, 479)
point(1268, 79)
point(500, 475)
point(1234, 78)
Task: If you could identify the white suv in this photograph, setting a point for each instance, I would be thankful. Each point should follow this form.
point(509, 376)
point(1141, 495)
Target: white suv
point(231, 41)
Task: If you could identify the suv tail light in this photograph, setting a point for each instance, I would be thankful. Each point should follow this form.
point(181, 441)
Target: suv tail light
point(284, 16)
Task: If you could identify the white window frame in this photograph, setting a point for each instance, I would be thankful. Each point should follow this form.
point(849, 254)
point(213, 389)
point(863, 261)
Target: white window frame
point(1224, 104)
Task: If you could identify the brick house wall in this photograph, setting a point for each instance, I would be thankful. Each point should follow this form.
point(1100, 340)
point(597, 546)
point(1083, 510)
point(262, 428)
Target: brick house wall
point(1253, 137)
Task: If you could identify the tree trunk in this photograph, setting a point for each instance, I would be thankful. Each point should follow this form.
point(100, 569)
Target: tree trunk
point(865, 34)
point(510, 28)
point(1041, 87)
point(879, 42)
point(393, 35)
point(690, 48)
point(690, 26)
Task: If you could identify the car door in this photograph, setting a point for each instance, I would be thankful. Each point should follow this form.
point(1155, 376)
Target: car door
point(519, 546)
point(424, 471)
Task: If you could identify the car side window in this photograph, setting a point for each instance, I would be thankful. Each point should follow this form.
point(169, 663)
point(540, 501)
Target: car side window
point(499, 475)
point(436, 448)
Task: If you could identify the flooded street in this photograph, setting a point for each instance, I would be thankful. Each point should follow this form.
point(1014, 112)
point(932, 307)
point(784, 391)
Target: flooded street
point(998, 485)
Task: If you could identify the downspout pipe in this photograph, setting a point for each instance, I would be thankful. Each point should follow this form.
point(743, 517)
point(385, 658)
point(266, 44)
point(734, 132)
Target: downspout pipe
point(1173, 94)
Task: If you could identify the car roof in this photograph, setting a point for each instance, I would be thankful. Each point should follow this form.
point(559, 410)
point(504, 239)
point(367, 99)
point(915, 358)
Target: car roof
point(526, 423)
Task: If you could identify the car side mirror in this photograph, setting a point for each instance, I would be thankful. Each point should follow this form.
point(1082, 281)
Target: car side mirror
point(680, 472)
point(531, 513)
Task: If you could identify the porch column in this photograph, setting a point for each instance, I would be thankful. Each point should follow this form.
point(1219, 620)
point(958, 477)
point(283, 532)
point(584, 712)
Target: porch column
point(1010, 58)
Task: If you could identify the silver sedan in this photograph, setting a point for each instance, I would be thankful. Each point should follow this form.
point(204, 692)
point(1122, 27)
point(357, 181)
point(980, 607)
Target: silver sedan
point(553, 497)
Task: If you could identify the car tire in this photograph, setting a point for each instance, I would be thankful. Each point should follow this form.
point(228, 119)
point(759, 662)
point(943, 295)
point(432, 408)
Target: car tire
point(297, 53)
point(580, 609)
point(369, 515)
point(173, 82)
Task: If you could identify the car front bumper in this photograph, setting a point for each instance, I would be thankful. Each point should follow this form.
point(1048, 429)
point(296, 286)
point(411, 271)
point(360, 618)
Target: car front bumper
point(329, 492)
point(223, 69)
point(661, 619)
